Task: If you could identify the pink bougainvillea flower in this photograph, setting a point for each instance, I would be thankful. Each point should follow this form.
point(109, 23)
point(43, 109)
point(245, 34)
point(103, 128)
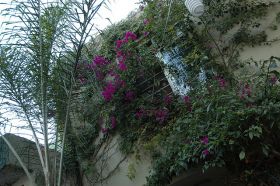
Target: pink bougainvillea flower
point(146, 21)
point(161, 115)
point(245, 91)
point(99, 75)
point(122, 66)
point(130, 36)
point(121, 56)
point(120, 43)
point(108, 92)
point(104, 130)
point(205, 152)
point(129, 96)
point(168, 100)
point(140, 113)
point(107, 96)
point(146, 34)
point(120, 53)
point(91, 66)
point(82, 80)
point(273, 79)
point(99, 61)
point(187, 99)
point(204, 140)
point(122, 83)
point(113, 122)
point(222, 83)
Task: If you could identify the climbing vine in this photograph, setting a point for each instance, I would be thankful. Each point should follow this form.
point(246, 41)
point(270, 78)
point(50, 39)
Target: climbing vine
point(220, 121)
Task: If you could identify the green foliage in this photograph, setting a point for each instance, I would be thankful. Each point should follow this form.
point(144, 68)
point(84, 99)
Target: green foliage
point(37, 72)
point(224, 15)
point(234, 123)
point(253, 131)
point(131, 171)
point(152, 145)
point(242, 155)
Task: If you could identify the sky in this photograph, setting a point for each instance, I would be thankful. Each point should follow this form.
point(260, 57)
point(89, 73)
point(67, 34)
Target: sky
point(119, 9)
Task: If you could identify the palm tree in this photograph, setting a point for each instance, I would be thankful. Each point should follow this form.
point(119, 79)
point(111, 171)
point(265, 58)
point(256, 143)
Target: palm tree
point(42, 41)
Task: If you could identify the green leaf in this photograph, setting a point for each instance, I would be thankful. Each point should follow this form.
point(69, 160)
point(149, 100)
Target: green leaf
point(265, 152)
point(251, 135)
point(242, 155)
point(208, 107)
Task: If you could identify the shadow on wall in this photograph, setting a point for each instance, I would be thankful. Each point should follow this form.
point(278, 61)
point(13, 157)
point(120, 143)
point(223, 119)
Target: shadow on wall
point(212, 177)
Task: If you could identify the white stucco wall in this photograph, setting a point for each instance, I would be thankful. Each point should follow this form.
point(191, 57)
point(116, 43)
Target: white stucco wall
point(120, 177)
point(263, 51)
point(257, 53)
point(114, 166)
point(23, 181)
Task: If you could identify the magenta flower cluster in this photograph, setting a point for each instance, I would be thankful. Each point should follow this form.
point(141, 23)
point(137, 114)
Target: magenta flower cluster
point(122, 56)
point(161, 115)
point(82, 80)
point(130, 36)
point(129, 96)
point(120, 43)
point(205, 140)
point(246, 91)
point(273, 79)
point(108, 92)
point(205, 152)
point(221, 81)
point(112, 81)
point(187, 101)
point(98, 64)
point(104, 130)
point(122, 66)
point(100, 61)
point(167, 99)
point(146, 21)
point(140, 113)
point(99, 75)
point(146, 33)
